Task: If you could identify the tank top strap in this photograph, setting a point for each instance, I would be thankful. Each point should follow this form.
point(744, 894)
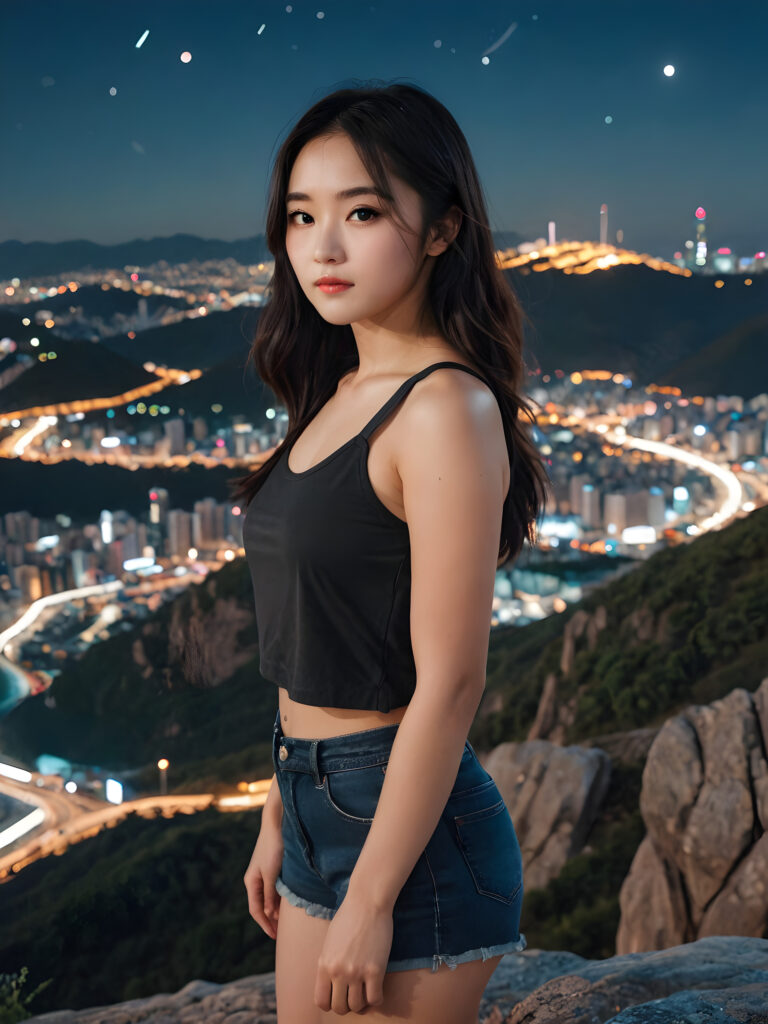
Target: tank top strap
point(403, 390)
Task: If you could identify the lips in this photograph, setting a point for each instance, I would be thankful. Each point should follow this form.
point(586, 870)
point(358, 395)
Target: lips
point(331, 280)
point(332, 285)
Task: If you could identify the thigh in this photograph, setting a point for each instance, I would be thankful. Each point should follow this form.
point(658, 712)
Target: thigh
point(450, 996)
point(299, 941)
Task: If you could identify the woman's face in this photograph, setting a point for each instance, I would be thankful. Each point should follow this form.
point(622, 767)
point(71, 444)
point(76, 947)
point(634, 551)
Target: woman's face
point(351, 237)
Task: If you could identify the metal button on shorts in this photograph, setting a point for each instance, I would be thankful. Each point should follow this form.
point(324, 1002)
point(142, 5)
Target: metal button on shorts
point(283, 752)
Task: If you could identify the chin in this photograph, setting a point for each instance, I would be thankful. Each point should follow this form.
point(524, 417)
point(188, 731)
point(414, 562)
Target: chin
point(336, 321)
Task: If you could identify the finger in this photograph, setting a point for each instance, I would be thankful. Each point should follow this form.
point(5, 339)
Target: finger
point(356, 997)
point(271, 900)
point(264, 922)
point(256, 908)
point(323, 989)
point(374, 989)
point(339, 1002)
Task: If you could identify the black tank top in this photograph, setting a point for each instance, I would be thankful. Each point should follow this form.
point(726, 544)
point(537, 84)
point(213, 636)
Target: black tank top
point(331, 573)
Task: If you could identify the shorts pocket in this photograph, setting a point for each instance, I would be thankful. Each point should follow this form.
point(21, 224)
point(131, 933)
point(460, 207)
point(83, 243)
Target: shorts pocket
point(489, 845)
point(354, 793)
point(465, 798)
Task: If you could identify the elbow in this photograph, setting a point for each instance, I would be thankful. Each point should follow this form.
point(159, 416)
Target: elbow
point(460, 696)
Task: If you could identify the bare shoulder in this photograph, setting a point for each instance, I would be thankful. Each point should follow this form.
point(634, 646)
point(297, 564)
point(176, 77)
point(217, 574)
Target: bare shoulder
point(451, 419)
point(451, 401)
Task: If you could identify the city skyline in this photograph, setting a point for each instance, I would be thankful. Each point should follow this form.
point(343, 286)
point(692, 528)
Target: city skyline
point(556, 131)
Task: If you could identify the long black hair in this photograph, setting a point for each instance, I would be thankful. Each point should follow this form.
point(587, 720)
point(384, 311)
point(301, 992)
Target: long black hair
point(401, 129)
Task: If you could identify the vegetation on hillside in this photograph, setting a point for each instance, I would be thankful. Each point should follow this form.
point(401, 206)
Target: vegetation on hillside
point(703, 608)
point(137, 909)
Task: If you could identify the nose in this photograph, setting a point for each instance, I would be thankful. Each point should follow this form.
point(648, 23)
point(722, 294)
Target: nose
point(327, 247)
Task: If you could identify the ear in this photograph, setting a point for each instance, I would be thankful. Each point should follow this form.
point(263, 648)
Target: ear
point(444, 231)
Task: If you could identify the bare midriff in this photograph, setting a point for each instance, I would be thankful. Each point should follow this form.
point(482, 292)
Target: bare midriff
point(305, 722)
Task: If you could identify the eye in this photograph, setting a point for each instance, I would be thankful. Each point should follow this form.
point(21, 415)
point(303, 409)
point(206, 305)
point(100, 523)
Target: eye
point(358, 209)
point(366, 209)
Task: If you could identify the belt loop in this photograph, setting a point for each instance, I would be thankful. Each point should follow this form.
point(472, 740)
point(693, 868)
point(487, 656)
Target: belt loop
point(313, 763)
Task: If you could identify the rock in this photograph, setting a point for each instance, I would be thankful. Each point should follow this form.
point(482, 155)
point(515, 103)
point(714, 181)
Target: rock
point(601, 989)
point(703, 868)
point(546, 713)
point(518, 974)
point(553, 795)
point(675, 986)
point(672, 778)
point(741, 907)
point(713, 1006)
point(206, 643)
point(574, 627)
point(640, 625)
point(719, 828)
point(629, 747)
point(652, 892)
point(581, 623)
point(248, 1000)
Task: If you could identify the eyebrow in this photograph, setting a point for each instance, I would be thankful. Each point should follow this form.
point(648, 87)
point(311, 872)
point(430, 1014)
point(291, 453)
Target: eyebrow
point(347, 193)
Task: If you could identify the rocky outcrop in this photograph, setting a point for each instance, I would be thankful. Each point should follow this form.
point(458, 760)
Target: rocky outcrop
point(688, 984)
point(555, 713)
point(581, 623)
point(702, 868)
point(547, 718)
point(629, 747)
point(553, 795)
point(554, 716)
point(716, 980)
point(205, 645)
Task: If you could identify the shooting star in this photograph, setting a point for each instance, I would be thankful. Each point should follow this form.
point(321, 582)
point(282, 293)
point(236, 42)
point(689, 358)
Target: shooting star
point(503, 39)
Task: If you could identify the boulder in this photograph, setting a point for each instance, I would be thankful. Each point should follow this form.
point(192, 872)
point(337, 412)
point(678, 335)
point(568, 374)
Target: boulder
point(703, 867)
point(652, 892)
point(605, 990)
point(553, 795)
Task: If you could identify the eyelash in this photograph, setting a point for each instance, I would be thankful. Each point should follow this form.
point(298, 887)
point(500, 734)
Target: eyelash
point(367, 209)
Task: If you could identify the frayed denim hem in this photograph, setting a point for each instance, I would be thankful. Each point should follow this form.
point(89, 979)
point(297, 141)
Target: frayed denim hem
point(452, 962)
point(314, 909)
point(416, 962)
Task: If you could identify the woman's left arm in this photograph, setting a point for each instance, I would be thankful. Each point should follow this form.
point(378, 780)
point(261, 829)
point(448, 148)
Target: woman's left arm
point(453, 473)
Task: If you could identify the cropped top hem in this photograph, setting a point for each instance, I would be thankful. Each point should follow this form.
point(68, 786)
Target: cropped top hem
point(356, 702)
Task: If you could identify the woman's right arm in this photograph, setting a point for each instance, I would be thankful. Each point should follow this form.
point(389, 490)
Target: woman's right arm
point(265, 864)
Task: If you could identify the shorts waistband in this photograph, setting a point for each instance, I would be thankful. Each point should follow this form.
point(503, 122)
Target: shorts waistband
point(335, 753)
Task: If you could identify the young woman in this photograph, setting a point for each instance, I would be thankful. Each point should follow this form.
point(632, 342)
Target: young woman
point(373, 534)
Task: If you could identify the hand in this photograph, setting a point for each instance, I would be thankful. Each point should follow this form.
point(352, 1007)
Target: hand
point(260, 876)
point(354, 956)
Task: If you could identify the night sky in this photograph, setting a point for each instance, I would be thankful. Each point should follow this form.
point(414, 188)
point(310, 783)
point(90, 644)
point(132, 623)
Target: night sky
point(188, 147)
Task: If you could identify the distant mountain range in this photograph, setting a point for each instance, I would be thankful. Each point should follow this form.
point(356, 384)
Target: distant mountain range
point(30, 259)
point(38, 259)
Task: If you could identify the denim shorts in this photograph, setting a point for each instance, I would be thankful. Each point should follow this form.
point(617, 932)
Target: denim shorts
point(463, 898)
